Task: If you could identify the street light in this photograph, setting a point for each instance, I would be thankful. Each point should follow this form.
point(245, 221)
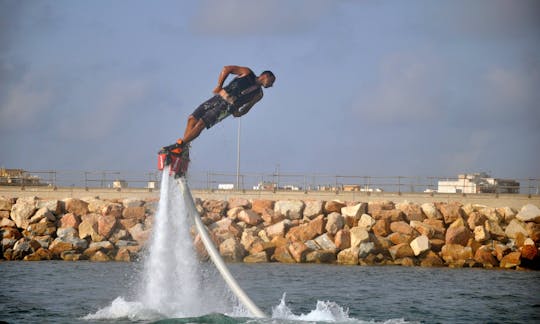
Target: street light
point(238, 155)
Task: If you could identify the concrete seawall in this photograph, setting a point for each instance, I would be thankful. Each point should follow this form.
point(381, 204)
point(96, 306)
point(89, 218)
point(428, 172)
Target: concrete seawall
point(490, 200)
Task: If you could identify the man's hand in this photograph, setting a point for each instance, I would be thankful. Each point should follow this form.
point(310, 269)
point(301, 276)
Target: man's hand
point(217, 90)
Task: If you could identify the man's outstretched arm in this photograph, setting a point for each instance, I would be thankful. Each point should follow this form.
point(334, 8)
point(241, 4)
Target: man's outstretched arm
point(230, 69)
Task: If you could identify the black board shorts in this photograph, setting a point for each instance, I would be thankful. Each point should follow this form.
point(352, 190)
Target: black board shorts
point(212, 111)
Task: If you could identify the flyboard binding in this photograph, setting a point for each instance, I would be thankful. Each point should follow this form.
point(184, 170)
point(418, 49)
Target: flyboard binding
point(177, 156)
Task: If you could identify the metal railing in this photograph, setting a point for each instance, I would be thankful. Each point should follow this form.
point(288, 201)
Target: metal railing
point(273, 182)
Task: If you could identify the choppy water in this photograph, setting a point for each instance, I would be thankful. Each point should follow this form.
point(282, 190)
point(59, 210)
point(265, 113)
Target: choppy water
point(85, 292)
point(171, 286)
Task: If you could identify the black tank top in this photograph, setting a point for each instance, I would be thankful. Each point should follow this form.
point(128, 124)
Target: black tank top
point(243, 89)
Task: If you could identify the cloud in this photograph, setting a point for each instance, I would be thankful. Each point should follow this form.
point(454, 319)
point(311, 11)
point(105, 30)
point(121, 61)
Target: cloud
point(409, 87)
point(109, 108)
point(22, 102)
point(247, 17)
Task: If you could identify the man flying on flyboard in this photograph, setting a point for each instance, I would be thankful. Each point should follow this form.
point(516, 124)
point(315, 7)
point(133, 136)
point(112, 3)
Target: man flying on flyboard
point(236, 99)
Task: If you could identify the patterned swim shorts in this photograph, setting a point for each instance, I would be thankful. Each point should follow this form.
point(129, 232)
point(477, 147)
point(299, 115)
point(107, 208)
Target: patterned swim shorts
point(213, 111)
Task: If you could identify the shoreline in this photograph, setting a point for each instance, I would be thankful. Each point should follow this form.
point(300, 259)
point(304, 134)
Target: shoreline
point(369, 231)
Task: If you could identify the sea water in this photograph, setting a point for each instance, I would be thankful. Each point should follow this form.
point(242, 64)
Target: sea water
point(171, 285)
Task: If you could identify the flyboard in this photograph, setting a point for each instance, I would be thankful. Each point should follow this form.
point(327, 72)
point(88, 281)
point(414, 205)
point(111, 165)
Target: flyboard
point(178, 159)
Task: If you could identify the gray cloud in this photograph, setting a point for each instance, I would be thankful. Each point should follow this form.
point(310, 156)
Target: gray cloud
point(246, 17)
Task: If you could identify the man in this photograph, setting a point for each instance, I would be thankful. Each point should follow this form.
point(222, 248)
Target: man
point(236, 99)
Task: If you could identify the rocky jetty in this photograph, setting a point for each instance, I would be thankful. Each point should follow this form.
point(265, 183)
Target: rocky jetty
point(290, 231)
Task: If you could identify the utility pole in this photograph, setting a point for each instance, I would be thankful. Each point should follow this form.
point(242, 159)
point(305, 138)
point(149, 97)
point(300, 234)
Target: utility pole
point(238, 155)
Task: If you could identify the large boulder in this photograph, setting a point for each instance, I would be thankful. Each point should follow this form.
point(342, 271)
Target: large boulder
point(451, 212)
point(106, 225)
point(321, 256)
point(239, 202)
point(358, 236)
point(42, 213)
point(134, 212)
point(69, 220)
point(298, 251)
point(22, 211)
point(458, 235)
point(139, 233)
point(456, 255)
point(334, 223)
point(41, 228)
point(514, 228)
point(313, 208)
point(232, 251)
point(431, 211)
point(412, 211)
point(283, 255)
point(343, 239)
point(533, 230)
point(511, 260)
point(333, 206)
point(495, 230)
point(381, 227)
point(132, 202)
point(423, 228)
point(76, 206)
point(249, 217)
point(278, 229)
point(400, 251)
point(354, 211)
point(399, 238)
point(306, 231)
point(218, 207)
point(365, 249)
point(348, 256)
point(123, 255)
point(260, 257)
point(5, 203)
point(529, 213)
point(431, 259)
point(100, 256)
point(54, 206)
point(484, 256)
point(420, 245)
point(291, 209)
point(89, 228)
point(481, 234)
point(260, 205)
point(403, 228)
point(325, 243)
point(476, 219)
point(393, 215)
point(366, 222)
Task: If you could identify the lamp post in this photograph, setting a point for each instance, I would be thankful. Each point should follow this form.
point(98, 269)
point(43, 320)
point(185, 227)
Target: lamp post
point(238, 155)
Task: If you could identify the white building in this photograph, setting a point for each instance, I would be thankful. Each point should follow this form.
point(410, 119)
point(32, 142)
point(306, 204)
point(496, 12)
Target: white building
point(478, 183)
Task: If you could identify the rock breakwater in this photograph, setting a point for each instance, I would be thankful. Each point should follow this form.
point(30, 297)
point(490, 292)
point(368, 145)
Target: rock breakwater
point(290, 231)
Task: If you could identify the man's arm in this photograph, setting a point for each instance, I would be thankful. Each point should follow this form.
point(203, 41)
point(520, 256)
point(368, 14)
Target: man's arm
point(246, 107)
point(230, 69)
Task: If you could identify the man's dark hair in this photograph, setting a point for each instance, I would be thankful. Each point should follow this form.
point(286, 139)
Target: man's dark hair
point(269, 73)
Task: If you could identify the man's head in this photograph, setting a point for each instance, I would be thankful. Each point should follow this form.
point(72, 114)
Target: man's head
point(267, 79)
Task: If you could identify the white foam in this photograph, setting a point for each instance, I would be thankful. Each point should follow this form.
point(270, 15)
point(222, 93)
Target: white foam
point(325, 311)
point(174, 283)
point(120, 308)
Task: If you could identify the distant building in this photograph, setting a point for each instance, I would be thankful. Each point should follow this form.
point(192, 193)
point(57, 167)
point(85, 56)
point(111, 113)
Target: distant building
point(265, 186)
point(18, 177)
point(478, 183)
point(225, 186)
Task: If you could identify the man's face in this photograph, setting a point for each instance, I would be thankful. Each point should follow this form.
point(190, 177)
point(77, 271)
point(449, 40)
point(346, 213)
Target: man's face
point(267, 81)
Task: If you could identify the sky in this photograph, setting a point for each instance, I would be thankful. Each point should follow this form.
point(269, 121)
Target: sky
point(368, 88)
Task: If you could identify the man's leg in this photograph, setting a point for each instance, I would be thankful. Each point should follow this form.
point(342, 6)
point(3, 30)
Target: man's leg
point(193, 129)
